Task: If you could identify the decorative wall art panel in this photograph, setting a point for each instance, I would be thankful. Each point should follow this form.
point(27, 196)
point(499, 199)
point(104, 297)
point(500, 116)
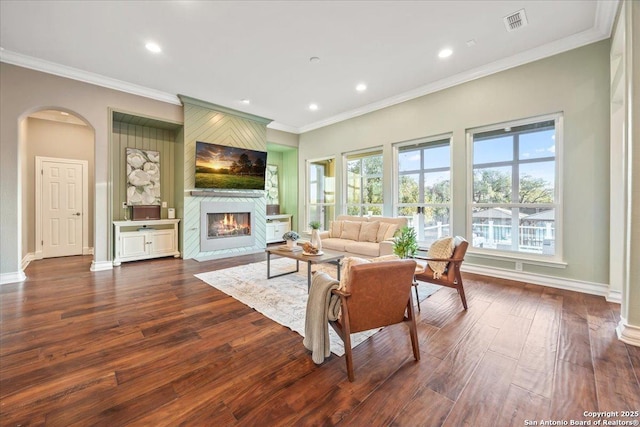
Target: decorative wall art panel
point(143, 177)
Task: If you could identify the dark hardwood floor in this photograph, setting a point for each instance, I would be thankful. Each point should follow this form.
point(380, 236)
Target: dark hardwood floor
point(149, 344)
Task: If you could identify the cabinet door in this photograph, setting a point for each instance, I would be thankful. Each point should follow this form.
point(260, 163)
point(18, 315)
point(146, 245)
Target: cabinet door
point(133, 244)
point(271, 231)
point(162, 241)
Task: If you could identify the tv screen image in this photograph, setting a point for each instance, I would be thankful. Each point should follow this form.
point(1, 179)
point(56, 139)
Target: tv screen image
point(224, 167)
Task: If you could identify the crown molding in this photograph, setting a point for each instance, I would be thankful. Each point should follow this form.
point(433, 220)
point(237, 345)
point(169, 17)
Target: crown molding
point(283, 127)
point(25, 61)
point(204, 104)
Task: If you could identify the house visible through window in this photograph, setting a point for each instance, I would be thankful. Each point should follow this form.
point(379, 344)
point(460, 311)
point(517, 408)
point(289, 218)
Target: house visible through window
point(364, 183)
point(514, 200)
point(424, 187)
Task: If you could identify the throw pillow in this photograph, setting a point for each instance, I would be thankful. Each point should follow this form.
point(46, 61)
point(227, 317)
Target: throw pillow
point(350, 230)
point(369, 231)
point(391, 231)
point(335, 229)
point(382, 230)
point(345, 272)
point(442, 248)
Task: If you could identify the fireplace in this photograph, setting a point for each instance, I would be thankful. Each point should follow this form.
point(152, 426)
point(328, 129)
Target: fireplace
point(226, 225)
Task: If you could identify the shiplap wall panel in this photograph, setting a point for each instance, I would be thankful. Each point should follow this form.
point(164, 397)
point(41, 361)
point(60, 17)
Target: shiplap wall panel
point(144, 138)
point(207, 125)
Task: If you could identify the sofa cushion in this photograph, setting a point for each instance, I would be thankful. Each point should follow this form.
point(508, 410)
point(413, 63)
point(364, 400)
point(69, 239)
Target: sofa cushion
point(442, 248)
point(335, 229)
point(362, 248)
point(334, 244)
point(350, 230)
point(369, 232)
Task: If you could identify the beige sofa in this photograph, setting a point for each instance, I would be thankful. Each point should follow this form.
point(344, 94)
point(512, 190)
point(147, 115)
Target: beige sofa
point(362, 236)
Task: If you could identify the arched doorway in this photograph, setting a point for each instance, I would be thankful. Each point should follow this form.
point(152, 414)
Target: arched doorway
point(57, 184)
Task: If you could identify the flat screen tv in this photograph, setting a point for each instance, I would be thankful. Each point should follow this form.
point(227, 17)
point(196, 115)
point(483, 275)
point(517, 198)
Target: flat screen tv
point(234, 168)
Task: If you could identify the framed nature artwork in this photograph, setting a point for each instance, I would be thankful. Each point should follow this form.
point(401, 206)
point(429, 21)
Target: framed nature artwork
point(143, 177)
point(271, 185)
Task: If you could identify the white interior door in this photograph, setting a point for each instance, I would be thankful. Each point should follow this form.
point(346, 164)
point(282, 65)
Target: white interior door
point(62, 208)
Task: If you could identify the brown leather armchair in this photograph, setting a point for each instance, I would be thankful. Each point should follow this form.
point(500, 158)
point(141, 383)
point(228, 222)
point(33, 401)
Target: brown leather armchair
point(378, 294)
point(451, 276)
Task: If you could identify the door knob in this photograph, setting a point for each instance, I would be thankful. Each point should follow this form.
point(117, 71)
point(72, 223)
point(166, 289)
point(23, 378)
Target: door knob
point(77, 214)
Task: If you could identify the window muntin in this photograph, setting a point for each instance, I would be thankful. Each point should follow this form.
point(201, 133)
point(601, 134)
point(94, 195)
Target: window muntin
point(514, 188)
point(424, 188)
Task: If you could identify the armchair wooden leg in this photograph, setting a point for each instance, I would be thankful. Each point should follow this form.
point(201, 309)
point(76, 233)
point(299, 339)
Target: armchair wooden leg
point(461, 289)
point(413, 330)
point(346, 339)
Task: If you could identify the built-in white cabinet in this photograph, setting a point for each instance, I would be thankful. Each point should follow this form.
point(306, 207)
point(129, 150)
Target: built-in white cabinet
point(136, 240)
point(277, 225)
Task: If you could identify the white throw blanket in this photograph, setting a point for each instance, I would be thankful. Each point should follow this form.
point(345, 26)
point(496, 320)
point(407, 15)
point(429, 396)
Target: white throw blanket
point(322, 306)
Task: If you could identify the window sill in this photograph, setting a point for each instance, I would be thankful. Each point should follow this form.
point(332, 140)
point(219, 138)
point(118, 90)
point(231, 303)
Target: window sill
point(553, 263)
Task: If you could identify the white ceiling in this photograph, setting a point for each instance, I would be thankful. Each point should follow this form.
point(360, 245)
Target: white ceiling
point(226, 51)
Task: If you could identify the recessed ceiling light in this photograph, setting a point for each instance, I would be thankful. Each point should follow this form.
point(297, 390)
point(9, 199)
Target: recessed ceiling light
point(246, 101)
point(153, 47)
point(361, 87)
point(313, 107)
point(314, 59)
point(445, 53)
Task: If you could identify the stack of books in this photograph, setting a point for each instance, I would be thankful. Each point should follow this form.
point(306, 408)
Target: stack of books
point(290, 248)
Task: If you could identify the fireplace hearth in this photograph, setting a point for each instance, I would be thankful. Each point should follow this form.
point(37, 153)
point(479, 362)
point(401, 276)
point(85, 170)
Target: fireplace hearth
point(226, 225)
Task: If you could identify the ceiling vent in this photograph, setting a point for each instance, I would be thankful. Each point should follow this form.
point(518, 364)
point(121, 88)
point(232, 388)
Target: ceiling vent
point(515, 21)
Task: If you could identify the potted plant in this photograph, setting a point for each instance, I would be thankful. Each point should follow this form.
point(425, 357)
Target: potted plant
point(405, 244)
point(316, 241)
point(290, 237)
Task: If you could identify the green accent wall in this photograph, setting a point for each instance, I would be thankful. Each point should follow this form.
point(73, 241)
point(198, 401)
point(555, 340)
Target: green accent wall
point(126, 135)
point(286, 158)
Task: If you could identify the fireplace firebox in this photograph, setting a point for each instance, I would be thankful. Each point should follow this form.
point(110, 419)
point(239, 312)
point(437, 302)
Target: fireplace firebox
point(228, 225)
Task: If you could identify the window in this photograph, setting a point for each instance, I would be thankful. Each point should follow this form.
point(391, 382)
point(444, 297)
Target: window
point(514, 193)
point(321, 192)
point(364, 184)
point(424, 187)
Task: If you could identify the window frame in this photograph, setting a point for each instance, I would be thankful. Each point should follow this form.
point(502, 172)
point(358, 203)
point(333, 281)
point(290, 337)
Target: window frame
point(308, 202)
point(361, 154)
point(555, 260)
point(424, 142)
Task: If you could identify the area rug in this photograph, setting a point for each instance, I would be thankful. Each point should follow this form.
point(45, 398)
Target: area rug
point(283, 299)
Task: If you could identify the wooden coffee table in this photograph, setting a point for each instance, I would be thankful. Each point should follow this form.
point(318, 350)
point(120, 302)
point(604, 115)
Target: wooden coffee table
point(328, 257)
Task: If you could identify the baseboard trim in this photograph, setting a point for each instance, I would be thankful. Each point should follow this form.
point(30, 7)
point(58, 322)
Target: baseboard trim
point(614, 296)
point(628, 333)
point(101, 265)
point(14, 277)
point(27, 259)
point(592, 288)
